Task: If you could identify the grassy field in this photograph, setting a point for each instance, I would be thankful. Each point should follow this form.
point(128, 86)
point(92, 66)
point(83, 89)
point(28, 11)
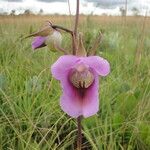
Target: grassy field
point(30, 115)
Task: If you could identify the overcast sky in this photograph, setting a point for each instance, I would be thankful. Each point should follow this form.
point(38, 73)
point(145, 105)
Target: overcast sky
point(111, 7)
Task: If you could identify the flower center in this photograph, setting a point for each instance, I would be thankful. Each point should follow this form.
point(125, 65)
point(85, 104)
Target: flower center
point(81, 77)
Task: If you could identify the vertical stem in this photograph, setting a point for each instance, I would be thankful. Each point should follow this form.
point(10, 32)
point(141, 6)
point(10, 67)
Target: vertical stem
point(126, 7)
point(76, 29)
point(76, 19)
point(79, 137)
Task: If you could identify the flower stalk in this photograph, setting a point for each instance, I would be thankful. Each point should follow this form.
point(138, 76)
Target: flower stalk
point(75, 49)
point(75, 33)
point(76, 19)
point(79, 140)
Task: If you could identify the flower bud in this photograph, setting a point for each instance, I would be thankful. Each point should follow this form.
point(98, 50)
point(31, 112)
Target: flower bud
point(81, 77)
point(54, 40)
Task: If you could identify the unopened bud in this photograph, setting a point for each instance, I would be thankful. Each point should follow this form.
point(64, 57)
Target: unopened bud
point(55, 39)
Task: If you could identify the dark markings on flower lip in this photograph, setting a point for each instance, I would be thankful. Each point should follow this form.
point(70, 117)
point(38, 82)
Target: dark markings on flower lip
point(81, 89)
point(81, 92)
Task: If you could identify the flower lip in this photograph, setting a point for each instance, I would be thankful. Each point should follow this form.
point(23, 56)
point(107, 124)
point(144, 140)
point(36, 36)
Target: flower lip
point(81, 76)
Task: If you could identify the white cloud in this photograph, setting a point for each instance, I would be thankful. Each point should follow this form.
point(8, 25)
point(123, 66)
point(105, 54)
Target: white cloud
point(62, 8)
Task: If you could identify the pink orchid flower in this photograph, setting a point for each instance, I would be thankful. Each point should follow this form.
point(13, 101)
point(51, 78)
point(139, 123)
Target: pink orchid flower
point(79, 77)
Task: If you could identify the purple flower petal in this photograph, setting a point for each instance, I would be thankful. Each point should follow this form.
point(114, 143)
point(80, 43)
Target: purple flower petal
point(75, 104)
point(70, 101)
point(38, 42)
point(100, 64)
point(90, 104)
point(61, 67)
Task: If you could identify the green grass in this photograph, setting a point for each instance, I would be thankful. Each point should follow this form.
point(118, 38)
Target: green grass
point(30, 115)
